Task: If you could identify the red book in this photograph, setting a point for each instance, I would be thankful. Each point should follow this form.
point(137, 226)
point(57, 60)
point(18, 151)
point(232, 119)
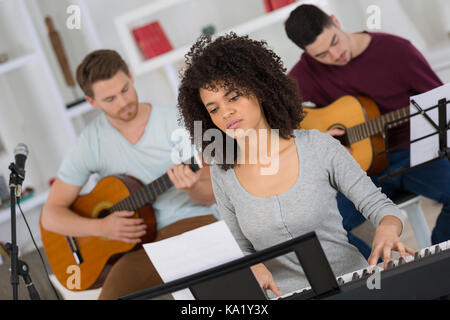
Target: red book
point(276, 4)
point(163, 44)
point(139, 35)
point(267, 5)
point(152, 40)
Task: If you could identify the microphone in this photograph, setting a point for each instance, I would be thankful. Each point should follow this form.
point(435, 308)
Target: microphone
point(18, 168)
point(20, 155)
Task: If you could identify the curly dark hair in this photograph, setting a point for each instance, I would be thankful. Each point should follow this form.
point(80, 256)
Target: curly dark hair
point(244, 65)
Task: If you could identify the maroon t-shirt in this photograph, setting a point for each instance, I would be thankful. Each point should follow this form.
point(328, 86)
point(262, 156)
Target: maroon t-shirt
point(390, 70)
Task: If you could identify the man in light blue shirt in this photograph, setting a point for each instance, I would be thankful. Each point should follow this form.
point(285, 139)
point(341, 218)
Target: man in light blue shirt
point(139, 140)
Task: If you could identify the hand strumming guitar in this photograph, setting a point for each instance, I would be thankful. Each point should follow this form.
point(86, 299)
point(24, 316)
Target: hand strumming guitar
point(120, 226)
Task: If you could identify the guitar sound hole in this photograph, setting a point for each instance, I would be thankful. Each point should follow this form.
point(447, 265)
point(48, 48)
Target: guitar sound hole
point(104, 213)
point(343, 139)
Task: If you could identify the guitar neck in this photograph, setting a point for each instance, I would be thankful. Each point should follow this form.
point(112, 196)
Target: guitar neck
point(148, 193)
point(376, 126)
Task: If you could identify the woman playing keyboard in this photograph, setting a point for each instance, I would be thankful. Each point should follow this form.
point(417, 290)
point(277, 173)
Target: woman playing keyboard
point(271, 181)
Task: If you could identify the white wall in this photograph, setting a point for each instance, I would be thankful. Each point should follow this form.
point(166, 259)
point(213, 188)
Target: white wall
point(418, 20)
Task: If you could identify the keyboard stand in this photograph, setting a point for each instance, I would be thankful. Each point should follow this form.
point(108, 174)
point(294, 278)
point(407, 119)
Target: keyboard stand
point(234, 280)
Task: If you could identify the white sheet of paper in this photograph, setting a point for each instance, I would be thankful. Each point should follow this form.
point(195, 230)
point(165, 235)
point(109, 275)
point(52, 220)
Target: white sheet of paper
point(427, 149)
point(191, 252)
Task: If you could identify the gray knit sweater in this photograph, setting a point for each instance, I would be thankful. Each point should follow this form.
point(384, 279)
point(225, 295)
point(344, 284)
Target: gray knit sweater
point(309, 205)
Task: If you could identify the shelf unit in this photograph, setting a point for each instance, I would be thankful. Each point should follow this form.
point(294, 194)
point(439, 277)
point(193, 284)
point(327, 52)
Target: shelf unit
point(77, 42)
point(39, 117)
point(16, 63)
point(161, 10)
point(28, 205)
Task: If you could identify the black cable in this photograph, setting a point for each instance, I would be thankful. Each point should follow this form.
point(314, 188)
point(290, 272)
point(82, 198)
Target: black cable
point(37, 249)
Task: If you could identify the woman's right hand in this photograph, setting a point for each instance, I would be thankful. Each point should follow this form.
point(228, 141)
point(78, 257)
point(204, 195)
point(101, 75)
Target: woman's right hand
point(264, 278)
point(121, 226)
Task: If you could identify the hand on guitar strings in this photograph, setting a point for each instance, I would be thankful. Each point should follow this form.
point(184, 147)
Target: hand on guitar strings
point(183, 177)
point(120, 226)
point(336, 132)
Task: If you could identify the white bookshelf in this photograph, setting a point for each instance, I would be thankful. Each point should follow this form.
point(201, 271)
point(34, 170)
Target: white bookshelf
point(79, 109)
point(15, 63)
point(141, 66)
point(36, 201)
point(33, 102)
point(254, 20)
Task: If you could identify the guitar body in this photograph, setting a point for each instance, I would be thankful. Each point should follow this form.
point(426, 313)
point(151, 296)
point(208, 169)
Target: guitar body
point(346, 112)
point(98, 254)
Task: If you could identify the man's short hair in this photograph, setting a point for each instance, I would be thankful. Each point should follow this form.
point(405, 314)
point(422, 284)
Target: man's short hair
point(99, 65)
point(305, 24)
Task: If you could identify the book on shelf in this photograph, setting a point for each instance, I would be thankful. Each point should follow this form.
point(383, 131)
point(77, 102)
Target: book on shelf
point(152, 39)
point(271, 5)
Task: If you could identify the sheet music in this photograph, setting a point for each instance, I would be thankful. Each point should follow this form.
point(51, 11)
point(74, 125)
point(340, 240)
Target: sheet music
point(191, 252)
point(427, 149)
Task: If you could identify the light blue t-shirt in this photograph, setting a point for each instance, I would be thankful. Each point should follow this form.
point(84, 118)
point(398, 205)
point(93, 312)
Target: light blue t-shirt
point(103, 150)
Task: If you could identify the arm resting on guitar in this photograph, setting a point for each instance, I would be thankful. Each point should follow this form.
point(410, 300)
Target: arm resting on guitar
point(58, 218)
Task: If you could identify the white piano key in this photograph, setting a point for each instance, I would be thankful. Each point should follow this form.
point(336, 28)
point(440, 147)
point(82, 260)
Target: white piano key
point(379, 267)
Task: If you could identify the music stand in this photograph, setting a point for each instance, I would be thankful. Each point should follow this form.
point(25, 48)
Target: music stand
point(234, 280)
point(441, 129)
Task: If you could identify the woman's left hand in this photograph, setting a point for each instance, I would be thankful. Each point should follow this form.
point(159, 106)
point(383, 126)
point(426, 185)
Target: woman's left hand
point(387, 239)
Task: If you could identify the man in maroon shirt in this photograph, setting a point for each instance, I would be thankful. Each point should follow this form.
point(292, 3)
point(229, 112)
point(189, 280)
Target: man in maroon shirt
point(384, 67)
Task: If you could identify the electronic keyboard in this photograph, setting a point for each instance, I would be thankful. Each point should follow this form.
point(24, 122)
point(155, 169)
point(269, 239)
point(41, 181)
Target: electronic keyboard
point(424, 276)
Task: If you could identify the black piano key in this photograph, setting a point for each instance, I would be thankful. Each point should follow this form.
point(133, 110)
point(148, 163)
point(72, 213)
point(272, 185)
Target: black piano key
point(427, 253)
point(303, 295)
point(390, 264)
point(437, 249)
point(365, 273)
point(409, 281)
point(340, 281)
point(355, 276)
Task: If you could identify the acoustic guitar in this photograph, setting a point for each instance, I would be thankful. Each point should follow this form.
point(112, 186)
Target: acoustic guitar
point(91, 258)
point(360, 118)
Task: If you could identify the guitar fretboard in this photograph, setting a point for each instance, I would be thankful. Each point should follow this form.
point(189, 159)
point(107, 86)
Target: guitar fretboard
point(146, 194)
point(375, 126)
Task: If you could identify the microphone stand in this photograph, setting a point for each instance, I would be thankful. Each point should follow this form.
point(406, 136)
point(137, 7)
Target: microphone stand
point(18, 267)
